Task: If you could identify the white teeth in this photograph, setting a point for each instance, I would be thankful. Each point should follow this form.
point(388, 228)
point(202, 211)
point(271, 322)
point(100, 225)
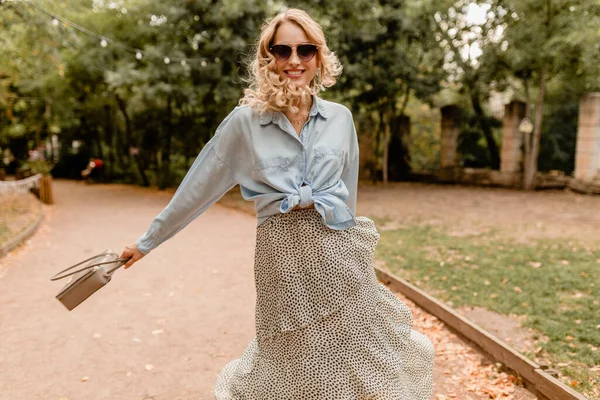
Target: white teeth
point(295, 73)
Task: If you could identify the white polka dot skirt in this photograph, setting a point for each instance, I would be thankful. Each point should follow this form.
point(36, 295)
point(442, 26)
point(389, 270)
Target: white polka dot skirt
point(326, 329)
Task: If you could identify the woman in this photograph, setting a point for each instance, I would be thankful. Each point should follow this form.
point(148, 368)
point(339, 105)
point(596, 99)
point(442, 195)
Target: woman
point(325, 328)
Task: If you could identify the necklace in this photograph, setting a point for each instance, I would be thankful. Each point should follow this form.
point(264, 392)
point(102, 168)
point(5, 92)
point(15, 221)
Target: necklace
point(301, 120)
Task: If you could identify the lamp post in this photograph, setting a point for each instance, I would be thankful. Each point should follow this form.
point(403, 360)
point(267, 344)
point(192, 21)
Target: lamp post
point(525, 126)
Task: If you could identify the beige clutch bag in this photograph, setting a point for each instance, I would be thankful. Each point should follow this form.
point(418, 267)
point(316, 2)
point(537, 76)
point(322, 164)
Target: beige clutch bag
point(85, 281)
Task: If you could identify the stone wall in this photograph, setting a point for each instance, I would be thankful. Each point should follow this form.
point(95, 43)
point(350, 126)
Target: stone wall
point(451, 116)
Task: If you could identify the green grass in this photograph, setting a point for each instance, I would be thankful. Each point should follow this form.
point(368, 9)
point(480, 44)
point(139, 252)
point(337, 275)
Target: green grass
point(555, 284)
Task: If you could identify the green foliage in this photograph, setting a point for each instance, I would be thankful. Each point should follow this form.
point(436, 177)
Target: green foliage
point(57, 81)
point(425, 136)
point(38, 166)
point(559, 137)
point(472, 147)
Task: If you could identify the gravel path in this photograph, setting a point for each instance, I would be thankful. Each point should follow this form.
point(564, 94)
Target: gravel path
point(163, 329)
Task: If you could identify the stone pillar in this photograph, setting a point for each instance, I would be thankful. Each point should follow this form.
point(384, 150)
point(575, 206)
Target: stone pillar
point(512, 138)
point(587, 157)
point(451, 116)
point(511, 165)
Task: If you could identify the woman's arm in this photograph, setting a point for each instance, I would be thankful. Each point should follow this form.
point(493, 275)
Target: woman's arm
point(205, 183)
point(208, 179)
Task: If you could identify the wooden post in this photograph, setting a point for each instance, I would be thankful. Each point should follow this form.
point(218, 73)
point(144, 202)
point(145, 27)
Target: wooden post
point(46, 189)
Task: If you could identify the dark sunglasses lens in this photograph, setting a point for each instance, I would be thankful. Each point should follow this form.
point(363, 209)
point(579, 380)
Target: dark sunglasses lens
point(306, 52)
point(281, 52)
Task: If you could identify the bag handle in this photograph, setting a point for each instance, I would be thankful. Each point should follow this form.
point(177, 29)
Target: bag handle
point(120, 262)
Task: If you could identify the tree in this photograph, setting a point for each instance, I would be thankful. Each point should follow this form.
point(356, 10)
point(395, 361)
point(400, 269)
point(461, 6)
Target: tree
point(547, 40)
point(470, 44)
point(389, 53)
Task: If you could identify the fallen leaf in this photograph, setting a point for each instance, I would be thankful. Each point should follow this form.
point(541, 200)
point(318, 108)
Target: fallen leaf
point(149, 367)
point(535, 264)
point(518, 290)
point(157, 331)
point(84, 379)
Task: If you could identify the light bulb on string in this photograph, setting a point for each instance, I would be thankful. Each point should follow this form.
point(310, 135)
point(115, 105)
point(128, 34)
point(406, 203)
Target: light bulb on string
point(54, 21)
point(138, 55)
point(167, 60)
point(103, 43)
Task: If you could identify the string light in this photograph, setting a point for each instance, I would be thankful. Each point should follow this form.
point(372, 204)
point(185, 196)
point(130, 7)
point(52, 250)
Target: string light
point(104, 41)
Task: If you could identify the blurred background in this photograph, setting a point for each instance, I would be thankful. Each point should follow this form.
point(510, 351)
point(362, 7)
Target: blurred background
point(142, 85)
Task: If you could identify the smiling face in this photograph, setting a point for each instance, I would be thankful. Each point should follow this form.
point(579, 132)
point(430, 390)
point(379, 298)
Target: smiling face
point(299, 72)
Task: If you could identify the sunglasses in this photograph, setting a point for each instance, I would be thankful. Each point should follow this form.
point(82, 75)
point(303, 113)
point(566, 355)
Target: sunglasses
point(283, 52)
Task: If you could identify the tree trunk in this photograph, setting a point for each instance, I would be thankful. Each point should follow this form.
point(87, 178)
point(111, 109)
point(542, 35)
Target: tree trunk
point(398, 125)
point(532, 157)
point(109, 137)
point(387, 134)
point(165, 156)
point(129, 134)
point(493, 150)
point(527, 136)
point(399, 154)
point(377, 147)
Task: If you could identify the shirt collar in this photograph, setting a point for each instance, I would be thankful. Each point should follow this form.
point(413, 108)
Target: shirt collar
point(317, 108)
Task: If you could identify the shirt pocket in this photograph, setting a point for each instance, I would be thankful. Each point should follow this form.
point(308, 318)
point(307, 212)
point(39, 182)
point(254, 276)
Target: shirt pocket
point(270, 170)
point(328, 165)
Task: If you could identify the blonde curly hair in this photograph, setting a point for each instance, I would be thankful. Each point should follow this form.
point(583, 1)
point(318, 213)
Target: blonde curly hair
point(268, 91)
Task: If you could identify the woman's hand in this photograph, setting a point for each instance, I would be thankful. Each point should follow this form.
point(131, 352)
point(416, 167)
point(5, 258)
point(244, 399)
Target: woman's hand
point(131, 251)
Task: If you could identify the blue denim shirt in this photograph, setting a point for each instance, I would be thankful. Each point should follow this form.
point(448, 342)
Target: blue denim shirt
point(275, 167)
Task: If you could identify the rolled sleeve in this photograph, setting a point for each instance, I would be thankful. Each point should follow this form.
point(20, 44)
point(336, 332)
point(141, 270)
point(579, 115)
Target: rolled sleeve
point(351, 169)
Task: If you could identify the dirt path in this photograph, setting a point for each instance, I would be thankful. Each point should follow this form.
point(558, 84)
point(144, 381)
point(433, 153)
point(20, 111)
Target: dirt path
point(163, 329)
point(522, 215)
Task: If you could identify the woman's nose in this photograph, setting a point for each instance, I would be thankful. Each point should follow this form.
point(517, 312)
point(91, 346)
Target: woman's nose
point(294, 59)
